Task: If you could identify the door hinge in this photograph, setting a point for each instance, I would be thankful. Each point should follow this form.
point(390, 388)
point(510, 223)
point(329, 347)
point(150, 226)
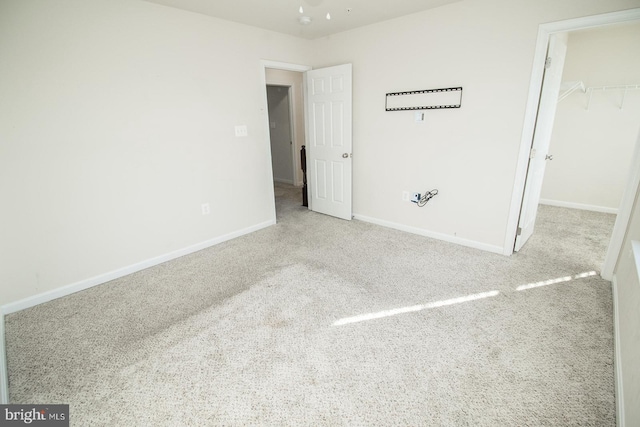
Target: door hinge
point(547, 62)
point(532, 153)
point(519, 231)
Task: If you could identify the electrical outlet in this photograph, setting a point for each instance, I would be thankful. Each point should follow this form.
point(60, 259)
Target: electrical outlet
point(241, 130)
point(206, 209)
point(406, 196)
point(415, 197)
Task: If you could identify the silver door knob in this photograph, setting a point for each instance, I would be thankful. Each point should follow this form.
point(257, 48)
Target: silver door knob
point(345, 155)
point(548, 157)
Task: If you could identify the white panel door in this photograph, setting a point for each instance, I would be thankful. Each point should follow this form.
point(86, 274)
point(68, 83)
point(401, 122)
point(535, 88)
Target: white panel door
point(542, 137)
point(329, 140)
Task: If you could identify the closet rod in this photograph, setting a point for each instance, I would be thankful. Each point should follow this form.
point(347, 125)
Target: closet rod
point(624, 89)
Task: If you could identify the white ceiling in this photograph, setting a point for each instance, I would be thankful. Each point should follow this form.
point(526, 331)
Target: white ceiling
point(282, 15)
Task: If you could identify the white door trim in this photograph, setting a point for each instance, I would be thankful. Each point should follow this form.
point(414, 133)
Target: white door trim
point(282, 66)
point(4, 374)
point(264, 64)
point(294, 161)
point(295, 157)
point(293, 94)
point(624, 216)
point(537, 72)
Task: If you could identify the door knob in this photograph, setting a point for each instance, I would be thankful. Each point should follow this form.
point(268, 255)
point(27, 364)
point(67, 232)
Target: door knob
point(548, 157)
point(345, 155)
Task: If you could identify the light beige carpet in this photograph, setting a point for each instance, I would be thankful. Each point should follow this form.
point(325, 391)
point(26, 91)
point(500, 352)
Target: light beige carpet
point(318, 321)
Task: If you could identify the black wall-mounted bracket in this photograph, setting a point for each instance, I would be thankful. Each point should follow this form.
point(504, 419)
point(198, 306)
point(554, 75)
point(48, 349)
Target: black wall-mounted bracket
point(427, 99)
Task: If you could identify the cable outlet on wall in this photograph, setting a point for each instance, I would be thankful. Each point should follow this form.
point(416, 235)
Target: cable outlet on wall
point(206, 209)
point(406, 196)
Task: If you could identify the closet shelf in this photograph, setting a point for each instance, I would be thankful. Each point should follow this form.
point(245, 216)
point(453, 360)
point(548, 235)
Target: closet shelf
point(622, 88)
point(567, 88)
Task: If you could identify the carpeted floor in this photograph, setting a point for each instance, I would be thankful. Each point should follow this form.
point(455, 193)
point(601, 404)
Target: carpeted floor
point(323, 322)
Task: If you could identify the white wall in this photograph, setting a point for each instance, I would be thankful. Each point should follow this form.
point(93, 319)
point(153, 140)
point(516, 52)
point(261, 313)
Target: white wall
point(627, 284)
point(469, 154)
point(116, 123)
point(592, 148)
point(292, 79)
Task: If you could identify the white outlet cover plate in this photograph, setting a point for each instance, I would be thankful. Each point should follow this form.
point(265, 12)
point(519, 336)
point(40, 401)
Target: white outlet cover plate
point(241, 130)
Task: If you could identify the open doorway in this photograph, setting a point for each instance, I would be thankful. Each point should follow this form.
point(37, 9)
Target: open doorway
point(281, 131)
point(594, 133)
point(596, 121)
point(287, 88)
point(284, 86)
point(591, 138)
point(532, 112)
point(328, 93)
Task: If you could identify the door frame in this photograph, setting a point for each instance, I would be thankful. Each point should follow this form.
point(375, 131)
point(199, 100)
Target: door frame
point(624, 216)
point(262, 75)
point(535, 84)
point(292, 129)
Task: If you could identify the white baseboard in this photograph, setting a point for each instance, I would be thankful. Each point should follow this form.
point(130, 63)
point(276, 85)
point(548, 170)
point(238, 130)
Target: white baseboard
point(124, 271)
point(580, 206)
point(4, 377)
point(617, 362)
point(431, 234)
point(97, 280)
